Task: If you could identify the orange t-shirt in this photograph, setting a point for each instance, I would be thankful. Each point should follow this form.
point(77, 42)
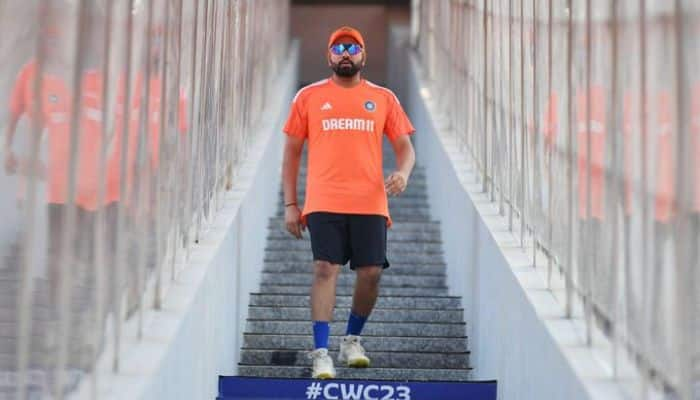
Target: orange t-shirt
point(56, 113)
point(152, 125)
point(154, 119)
point(345, 127)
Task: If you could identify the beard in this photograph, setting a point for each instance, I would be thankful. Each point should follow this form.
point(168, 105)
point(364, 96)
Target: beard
point(346, 68)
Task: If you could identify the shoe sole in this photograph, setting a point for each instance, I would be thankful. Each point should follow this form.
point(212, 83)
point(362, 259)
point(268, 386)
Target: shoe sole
point(324, 376)
point(358, 363)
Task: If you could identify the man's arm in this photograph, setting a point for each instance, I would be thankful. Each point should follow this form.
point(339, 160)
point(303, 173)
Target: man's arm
point(290, 172)
point(10, 158)
point(405, 160)
point(18, 105)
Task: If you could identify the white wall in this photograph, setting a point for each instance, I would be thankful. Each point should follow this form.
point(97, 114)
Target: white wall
point(197, 335)
point(517, 331)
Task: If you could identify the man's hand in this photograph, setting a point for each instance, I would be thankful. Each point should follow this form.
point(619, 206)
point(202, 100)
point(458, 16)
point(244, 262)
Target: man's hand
point(10, 162)
point(396, 183)
point(292, 219)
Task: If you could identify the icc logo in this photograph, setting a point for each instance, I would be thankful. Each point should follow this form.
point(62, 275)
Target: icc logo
point(369, 105)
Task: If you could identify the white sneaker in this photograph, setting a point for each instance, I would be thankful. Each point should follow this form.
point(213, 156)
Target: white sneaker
point(352, 353)
point(322, 364)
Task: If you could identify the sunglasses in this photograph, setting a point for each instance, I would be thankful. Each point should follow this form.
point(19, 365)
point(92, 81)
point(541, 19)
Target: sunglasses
point(352, 49)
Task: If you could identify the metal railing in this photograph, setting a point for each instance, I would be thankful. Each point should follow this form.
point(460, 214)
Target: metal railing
point(125, 122)
point(583, 119)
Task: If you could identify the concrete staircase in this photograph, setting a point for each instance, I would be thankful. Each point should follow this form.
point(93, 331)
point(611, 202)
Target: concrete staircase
point(41, 356)
point(416, 332)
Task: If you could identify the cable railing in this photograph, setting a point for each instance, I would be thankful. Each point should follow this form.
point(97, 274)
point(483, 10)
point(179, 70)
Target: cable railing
point(124, 124)
point(582, 118)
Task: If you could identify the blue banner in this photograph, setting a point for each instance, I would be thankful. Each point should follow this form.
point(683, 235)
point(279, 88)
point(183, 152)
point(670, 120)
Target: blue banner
point(235, 388)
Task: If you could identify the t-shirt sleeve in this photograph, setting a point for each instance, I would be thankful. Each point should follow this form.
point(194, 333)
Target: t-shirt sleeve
point(296, 124)
point(397, 122)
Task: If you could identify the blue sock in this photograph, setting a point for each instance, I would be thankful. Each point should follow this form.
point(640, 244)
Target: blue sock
point(355, 324)
point(321, 332)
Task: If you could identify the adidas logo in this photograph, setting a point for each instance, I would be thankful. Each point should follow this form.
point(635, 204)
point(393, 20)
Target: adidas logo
point(326, 106)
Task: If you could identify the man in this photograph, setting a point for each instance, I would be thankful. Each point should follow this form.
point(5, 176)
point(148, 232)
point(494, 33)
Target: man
point(346, 208)
point(54, 118)
point(44, 96)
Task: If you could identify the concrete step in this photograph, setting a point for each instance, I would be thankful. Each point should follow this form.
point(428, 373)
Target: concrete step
point(341, 314)
point(39, 357)
point(34, 391)
point(11, 282)
point(8, 345)
point(379, 359)
point(349, 280)
point(347, 290)
point(39, 328)
point(394, 257)
point(393, 235)
point(396, 268)
point(10, 293)
point(41, 383)
point(291, 243)
point(400, 374)
point(370, 343)
point(384, 301)
point(371, 329)
point(8, 313)
point(37, 360)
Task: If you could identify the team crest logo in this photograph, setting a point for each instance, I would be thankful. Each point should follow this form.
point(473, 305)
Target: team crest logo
point(370, 106)
point(53, 98)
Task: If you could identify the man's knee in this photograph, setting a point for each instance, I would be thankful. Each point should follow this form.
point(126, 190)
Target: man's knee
point(325, 271)
point(369, 274)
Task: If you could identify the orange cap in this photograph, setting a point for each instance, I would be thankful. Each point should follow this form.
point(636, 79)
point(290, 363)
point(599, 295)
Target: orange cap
point(346, 31)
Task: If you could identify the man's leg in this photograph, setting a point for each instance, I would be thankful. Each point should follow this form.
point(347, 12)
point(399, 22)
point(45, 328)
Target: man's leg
point(329, 243)
point(364, 297)
point(323, 300)
point(55, 214)
point(368, 244)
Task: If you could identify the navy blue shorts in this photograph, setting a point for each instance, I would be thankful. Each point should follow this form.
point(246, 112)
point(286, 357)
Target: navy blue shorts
point(339, 238)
